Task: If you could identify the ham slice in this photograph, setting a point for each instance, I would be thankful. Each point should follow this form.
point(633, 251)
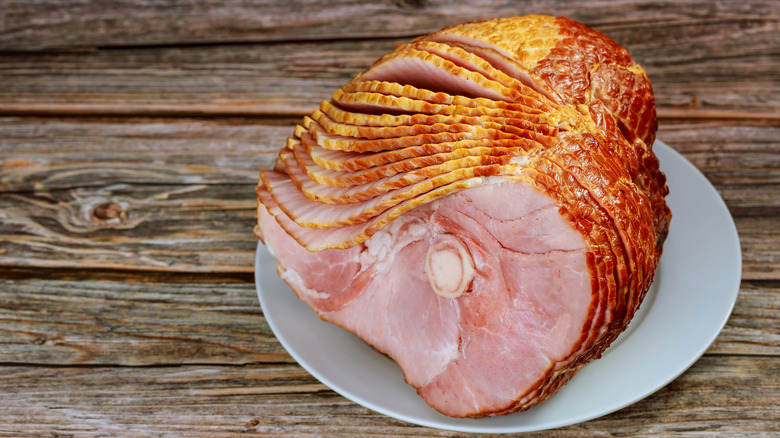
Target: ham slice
point(394, 175)
point(482, 205)
point(428, 71)
point(385, 120)
point(426, 153)
point(444, 124)
point(468, 132)
point(374, 102)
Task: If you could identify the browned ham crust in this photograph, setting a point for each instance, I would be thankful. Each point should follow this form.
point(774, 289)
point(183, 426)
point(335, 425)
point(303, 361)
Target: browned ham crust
point(482, 204)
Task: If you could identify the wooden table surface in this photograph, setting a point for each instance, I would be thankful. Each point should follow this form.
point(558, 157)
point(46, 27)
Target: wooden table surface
point(131, 133)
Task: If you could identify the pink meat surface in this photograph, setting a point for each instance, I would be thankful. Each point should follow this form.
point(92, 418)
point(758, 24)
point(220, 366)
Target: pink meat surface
point(523, 311)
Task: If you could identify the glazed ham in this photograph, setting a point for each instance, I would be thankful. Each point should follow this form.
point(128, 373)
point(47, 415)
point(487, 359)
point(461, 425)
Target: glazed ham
point(482, 205)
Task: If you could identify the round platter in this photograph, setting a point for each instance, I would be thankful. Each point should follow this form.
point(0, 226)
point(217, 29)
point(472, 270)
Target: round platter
point(691, 298)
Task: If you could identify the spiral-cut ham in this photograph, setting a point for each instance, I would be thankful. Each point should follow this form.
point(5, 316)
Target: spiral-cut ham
point(482, 205)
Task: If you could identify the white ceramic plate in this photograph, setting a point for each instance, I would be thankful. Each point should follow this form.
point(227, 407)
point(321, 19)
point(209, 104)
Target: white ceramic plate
point(693, 294)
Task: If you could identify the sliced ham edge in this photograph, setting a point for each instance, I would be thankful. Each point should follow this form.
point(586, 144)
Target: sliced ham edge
point(428, 71)
point(313, 214)
point(425, 165)
point(491, 64)
point(338, 160)
point(428, 125)
point(318, 239)
point(499, 59)
point(297, 169)
point(341, 115)
point(374, 103)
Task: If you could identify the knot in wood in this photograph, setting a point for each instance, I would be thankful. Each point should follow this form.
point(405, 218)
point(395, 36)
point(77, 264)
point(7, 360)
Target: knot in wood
point(107, 211)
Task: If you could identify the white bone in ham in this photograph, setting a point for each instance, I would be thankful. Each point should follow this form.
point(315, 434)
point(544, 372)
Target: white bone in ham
point(449, 266)
point(482, 205)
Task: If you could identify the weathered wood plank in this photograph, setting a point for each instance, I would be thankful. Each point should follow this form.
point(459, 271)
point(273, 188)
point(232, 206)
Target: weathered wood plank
point(723, 395)
point(72, 24)
point(741, 158)
point(185, 228)
point(173, 342)
point(244, 79)
point(183, 190)
point(198, 228)
point(51, 153)
point(754, 325)
point(133, 323)
point(122, 322)
point(736, 158)
point(710, 68)
point(758, 237)
point(181, 193)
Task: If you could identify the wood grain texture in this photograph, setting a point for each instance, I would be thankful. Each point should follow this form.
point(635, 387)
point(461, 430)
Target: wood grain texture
point(720, 395)
point(189, 228)
point(741, 159)
point(131, 133)
point(116, 322)
point(198, 229)
point(722, 68)
point(754, 325)
point(241, 79)
point(185, 189)
point(44, 154)
point(71, 24)
point(122, 323)
point(760, 251)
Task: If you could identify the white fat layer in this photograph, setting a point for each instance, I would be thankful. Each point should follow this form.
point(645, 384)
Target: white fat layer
point(382, 248)
point(294, 279)
point(520, 161)
point(488, 180)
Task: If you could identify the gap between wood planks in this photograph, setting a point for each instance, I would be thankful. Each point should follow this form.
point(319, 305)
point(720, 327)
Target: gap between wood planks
point(148, 276)
point(72, 25)
point(147, 110)
point(229, 110)
point(181, 365)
